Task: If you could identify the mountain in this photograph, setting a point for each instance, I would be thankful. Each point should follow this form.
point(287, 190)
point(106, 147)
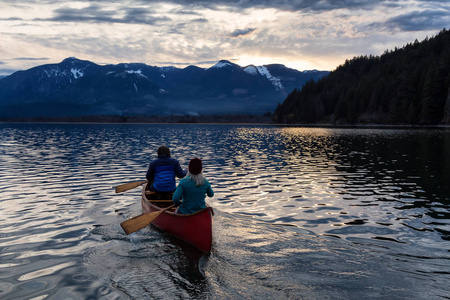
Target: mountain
point(77, 87)
point(410, 85)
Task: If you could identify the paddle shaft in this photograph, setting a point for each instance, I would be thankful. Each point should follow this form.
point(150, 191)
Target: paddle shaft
point(128, 186)
point(136, 223)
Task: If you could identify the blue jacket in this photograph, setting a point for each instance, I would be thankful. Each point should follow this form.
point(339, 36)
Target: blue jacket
point(193, 196)
point(162, 171)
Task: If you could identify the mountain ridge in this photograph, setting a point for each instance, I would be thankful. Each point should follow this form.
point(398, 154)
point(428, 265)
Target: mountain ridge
point(139, 89)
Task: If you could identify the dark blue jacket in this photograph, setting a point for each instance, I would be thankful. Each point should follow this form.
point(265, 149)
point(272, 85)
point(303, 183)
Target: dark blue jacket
point(162, 172)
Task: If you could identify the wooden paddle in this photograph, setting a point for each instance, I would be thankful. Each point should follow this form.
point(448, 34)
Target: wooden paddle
point(128, 186)
point(136, 223)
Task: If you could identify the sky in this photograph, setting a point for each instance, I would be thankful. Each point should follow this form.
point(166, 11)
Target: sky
point(301, 34)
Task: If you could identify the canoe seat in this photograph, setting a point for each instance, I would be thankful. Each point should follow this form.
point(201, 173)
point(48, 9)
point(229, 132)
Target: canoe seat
point(158, 201)
point(151, 195)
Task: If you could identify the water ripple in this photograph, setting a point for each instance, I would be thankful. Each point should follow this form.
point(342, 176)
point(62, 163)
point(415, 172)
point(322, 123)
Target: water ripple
point(386, 190)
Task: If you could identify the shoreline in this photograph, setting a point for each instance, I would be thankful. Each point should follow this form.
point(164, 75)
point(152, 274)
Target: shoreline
point(356, 126)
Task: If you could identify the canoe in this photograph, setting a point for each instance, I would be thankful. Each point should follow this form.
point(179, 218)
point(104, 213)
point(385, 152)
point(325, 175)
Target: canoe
point(194, 229)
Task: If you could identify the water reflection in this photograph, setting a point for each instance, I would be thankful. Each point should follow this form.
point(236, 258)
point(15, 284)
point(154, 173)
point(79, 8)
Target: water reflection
point(362, 177)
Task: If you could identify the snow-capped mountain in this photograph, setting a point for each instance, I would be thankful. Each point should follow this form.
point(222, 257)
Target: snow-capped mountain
point(78, 87)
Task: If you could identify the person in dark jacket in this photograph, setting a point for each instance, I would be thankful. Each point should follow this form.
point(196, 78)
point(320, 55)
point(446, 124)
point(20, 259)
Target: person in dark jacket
point(162, 171)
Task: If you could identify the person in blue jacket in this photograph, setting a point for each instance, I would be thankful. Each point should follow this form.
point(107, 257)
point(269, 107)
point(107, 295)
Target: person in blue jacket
point(162, 171)
point(191, 191)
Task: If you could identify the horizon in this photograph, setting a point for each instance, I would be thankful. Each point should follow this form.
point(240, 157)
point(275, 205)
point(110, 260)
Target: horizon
point(302, 35)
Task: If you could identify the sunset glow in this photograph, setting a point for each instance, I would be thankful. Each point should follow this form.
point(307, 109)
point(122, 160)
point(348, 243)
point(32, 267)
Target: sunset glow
point(301, 35)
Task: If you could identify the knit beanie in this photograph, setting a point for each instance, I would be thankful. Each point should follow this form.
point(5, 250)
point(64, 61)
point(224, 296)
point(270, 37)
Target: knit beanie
point(195, 166)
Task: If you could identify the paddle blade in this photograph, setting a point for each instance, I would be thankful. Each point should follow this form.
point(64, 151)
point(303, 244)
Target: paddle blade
point(128, 186)
point(136, 223)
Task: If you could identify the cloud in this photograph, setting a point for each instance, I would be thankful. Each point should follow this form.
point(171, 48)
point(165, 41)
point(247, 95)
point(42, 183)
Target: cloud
point(294, 5)
point(310, 33)
point(6, 71)
point(200, 20)
point(416, 21)
point(11, 19)
point(30, 58)
point(9, 62)
point(242, 32)
point(189, 6)
point(97, 14)
point(184, 11)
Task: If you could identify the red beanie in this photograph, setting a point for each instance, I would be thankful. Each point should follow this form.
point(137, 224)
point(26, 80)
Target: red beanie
point(195, 166)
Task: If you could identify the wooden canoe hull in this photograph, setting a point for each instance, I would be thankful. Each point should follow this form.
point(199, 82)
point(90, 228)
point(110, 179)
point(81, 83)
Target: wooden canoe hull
point(195, 229)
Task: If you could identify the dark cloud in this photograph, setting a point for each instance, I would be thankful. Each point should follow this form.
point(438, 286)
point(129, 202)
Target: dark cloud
point(6, 71)
point(417, 21)
point(7, 62)
point(184, 12)
point(30, 58)
point(241, 32)
point(291, 5)
point(97, 14)
point(12, 19)
point(206, 62)
point(189, 7)
point(200, 20)
point(170, 63)
point(198, 63)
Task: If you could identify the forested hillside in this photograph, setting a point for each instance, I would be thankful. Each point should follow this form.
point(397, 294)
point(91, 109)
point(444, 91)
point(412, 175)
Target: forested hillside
point(409, 85)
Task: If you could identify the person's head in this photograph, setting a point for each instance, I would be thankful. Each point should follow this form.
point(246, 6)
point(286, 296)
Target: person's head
point(195, 166)
point(195, 171)
point(163, 150)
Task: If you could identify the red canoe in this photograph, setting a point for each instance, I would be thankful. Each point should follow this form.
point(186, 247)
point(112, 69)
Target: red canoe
point(195, 229)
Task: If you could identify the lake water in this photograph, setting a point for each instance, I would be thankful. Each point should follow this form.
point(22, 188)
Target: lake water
point(300, 213)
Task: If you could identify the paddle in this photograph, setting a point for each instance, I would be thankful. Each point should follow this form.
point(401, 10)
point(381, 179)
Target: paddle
point(128, 186)
point(136, 223)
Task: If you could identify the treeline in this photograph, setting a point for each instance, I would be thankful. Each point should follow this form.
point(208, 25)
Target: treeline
point(227, 118)
point(409, 85)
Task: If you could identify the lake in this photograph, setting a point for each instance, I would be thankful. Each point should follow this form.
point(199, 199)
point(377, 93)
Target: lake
point(300, 213)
